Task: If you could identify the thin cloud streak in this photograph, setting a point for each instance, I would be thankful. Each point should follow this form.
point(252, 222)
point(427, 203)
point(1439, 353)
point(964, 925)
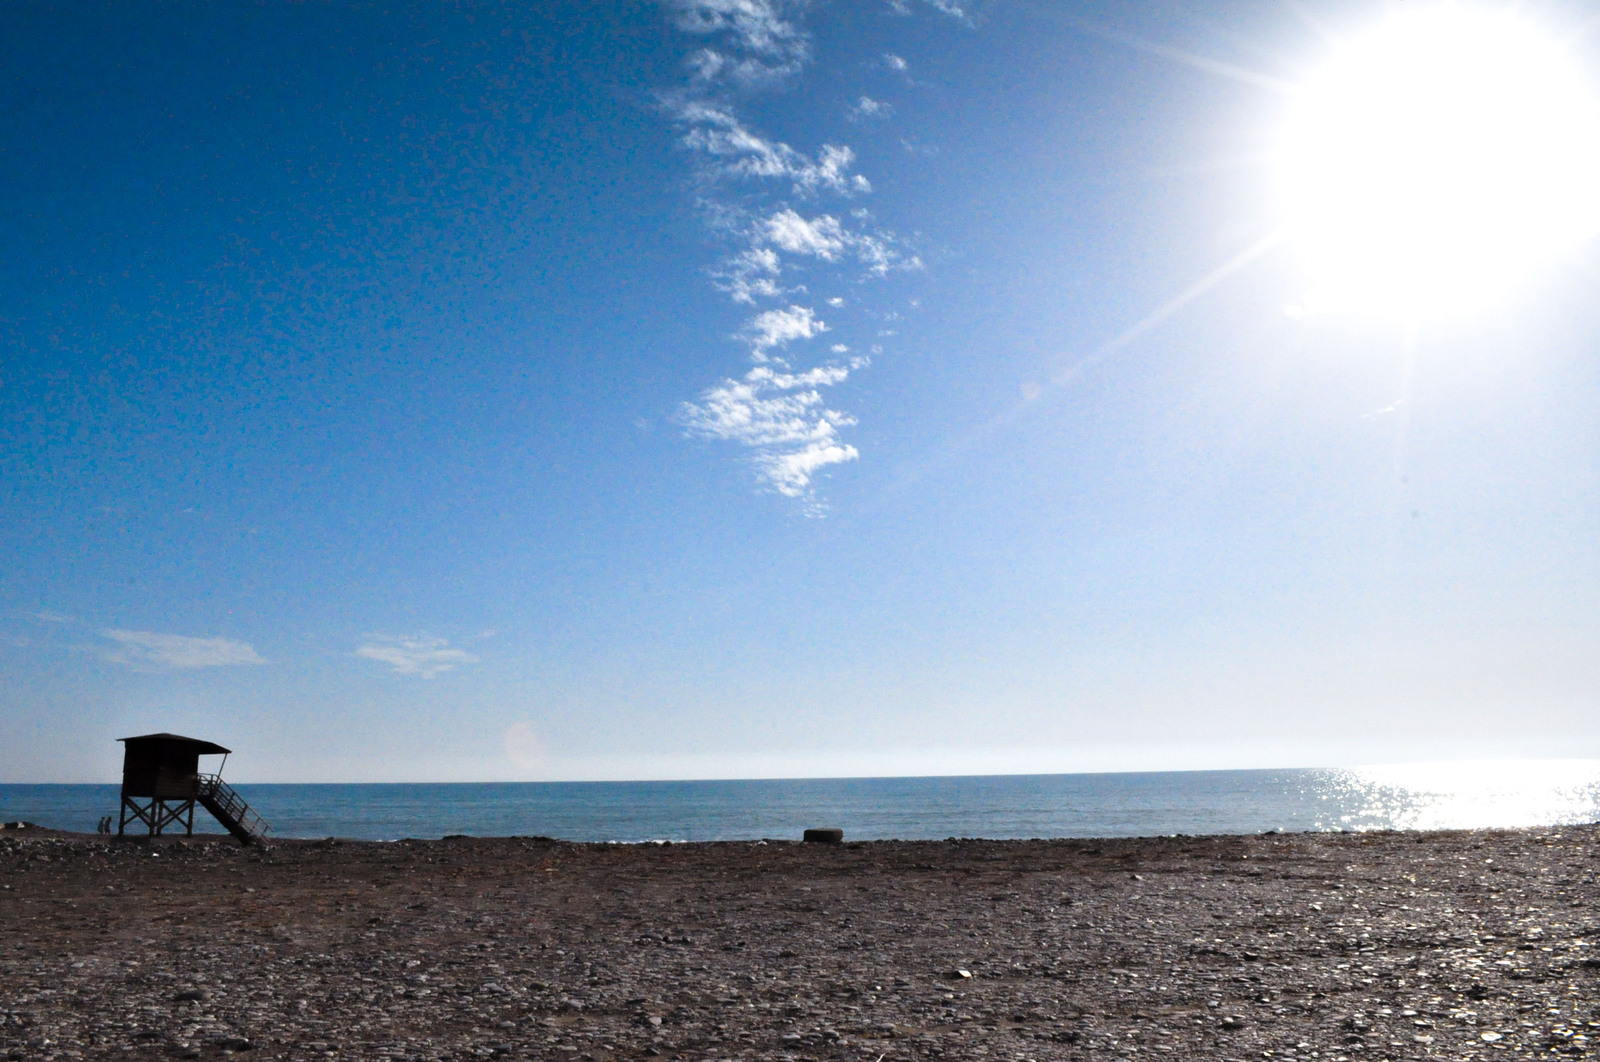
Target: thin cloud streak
point(422, 657)
point(961, 12)
point(153, 651)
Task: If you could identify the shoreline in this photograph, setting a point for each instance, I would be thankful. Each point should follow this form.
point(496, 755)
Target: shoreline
point(1308, 945)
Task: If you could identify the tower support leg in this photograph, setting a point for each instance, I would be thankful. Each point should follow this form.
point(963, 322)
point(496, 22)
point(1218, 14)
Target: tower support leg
point(172, 813)
point(156, 815)
point(134, 813)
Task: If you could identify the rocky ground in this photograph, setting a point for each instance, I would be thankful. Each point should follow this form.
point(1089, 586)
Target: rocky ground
point(1352, 946)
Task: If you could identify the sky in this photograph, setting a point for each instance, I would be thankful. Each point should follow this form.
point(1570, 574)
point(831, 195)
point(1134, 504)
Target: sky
point(754, 388)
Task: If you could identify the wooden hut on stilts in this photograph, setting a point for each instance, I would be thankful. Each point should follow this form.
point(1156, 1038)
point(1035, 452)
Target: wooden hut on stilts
point(161, 784)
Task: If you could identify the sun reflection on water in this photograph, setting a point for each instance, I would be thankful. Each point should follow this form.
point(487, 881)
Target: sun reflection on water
point(1476, 794)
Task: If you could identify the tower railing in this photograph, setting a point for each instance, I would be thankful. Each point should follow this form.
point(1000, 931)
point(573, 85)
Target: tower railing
point(223, 801)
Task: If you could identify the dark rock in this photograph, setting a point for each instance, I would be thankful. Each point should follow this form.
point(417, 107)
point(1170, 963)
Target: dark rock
point(824, 836)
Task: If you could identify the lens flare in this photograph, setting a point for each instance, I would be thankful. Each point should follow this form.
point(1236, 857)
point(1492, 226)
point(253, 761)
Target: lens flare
point(1439, 161)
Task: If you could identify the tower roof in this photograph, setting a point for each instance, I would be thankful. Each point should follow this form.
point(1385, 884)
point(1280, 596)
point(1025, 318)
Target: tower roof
point(195, 745)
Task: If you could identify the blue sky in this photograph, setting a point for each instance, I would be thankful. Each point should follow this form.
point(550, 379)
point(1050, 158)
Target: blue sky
point(748, 388)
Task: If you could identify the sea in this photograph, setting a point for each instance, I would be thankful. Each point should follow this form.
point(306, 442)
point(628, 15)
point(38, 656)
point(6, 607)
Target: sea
point(1473, 795)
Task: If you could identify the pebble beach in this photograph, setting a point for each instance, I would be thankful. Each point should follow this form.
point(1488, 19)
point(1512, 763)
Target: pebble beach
point(1374, 946)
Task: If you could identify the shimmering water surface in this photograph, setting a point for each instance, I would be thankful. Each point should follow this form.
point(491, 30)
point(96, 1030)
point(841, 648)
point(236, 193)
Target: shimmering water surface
point(1415, 796)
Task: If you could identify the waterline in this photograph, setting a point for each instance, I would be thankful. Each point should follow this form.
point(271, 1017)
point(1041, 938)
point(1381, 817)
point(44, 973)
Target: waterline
point(1467, 795)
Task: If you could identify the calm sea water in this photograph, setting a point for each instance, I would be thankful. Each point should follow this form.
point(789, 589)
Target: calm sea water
point(1417, 796)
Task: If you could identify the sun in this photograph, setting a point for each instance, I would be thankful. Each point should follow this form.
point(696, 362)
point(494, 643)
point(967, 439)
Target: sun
point(1438, 161)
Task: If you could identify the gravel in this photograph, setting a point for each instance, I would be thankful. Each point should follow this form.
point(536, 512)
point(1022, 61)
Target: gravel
point(1329, 946)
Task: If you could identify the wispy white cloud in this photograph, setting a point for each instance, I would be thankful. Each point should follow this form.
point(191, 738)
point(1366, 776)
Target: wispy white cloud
point(790, 473)
point(782, 417)
point(758, 40)
point(753, 273)
point(759, 194)
point(736, 151)
point(822, 236)
point(765, 26)
point(779, 328)
point(750, 275)
point(826, 237)
point(151, 651)
point(420, 656)
point(710, 65)
point(867, 109)
point(896, 63)
point(960, 10)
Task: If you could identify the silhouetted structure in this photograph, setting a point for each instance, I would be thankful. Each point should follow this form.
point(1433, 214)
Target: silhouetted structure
point(161, 784)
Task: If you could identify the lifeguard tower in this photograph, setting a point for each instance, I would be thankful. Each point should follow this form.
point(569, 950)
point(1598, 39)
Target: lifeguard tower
point(161, 784)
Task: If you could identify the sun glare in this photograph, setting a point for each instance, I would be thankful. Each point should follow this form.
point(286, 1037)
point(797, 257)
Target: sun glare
point(1437, 161)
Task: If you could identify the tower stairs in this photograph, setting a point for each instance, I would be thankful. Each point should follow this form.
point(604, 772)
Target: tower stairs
point(230, 809)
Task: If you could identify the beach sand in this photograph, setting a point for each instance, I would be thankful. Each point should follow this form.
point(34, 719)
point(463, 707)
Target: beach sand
point(1358, 946)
